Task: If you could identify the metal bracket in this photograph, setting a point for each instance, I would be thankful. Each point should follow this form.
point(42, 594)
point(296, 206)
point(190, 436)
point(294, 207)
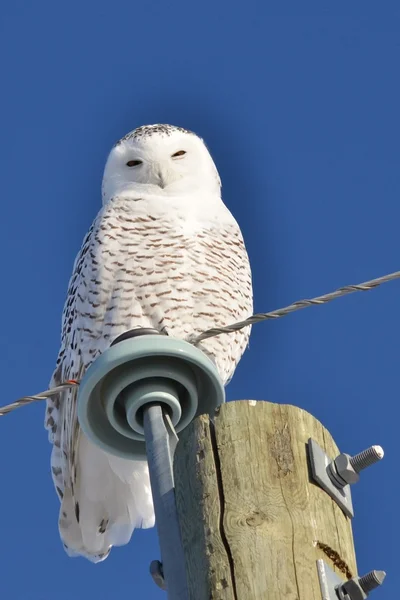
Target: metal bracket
point(319, 463)
point(328, 581)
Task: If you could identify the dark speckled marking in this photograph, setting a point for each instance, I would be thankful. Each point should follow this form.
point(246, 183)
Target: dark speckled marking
point(146, 131)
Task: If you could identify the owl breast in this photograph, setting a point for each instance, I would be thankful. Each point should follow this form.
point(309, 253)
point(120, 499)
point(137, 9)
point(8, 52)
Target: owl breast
point(178, 273)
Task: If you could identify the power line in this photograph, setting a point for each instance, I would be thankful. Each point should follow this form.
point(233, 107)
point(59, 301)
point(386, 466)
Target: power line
point(4, 410)
point(257, 318)
point(282, 312)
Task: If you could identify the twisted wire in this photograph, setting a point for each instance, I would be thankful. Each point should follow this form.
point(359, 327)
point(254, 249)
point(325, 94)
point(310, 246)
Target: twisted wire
point(298, 305)
point(257, 318)
point(4, 410)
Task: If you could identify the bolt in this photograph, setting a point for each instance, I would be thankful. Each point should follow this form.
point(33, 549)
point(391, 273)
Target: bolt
point(367, 458)
point(345, 468)
point(157, 573)
point(358, 588)
point(372, 580)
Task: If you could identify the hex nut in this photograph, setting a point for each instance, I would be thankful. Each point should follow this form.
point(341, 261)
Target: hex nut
point(353, 590)
point(345, 469)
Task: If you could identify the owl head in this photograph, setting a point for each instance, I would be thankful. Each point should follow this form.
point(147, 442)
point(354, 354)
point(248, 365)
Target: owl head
point(160, 159)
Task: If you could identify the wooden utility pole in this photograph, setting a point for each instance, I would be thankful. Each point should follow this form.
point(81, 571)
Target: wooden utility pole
point(253, 523)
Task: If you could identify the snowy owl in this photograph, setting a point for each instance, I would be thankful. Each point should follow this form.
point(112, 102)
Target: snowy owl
point(163, 252)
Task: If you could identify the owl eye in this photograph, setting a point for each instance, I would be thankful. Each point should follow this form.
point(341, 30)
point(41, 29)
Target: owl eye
point(133, 163)
point(179, 153)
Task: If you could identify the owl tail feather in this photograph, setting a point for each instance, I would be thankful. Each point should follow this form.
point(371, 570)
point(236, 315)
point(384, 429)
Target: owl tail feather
point(111, 497)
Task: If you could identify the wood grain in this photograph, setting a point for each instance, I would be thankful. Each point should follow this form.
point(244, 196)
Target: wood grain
point(253, 523)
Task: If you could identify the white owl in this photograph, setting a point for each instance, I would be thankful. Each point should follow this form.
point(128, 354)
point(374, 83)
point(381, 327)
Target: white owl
point(163, 252)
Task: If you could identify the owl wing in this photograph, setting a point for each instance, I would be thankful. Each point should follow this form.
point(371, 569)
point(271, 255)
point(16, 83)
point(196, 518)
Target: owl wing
point(95, 489)
point(60, 416)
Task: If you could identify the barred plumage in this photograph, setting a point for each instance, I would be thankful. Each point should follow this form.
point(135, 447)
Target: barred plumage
point(163, 252)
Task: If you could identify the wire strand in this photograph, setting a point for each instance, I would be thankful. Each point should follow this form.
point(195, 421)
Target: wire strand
point(257, 318)
point(298, 305)
point(25, 400)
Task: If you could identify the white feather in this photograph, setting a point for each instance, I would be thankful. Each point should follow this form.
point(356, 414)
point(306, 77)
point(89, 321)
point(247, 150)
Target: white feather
point(163, 252)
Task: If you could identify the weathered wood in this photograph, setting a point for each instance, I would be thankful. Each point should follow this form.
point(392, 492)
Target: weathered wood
point(253, 523)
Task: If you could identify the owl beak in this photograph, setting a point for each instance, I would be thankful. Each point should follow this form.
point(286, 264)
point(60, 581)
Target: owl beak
point(161, 179)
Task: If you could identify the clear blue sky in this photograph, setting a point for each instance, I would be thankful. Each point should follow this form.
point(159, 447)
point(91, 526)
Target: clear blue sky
point(300, 107)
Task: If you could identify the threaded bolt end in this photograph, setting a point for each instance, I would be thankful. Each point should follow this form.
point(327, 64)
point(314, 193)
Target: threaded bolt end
point(366, 458)
point(371, 580)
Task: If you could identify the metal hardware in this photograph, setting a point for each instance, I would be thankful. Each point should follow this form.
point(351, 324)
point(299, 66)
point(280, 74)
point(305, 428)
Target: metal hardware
point(157, 573)
point(335, 476)
point(328, 581)
point(345, 468)
point(320, 462)
point(160, 446)
point(358, 588)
